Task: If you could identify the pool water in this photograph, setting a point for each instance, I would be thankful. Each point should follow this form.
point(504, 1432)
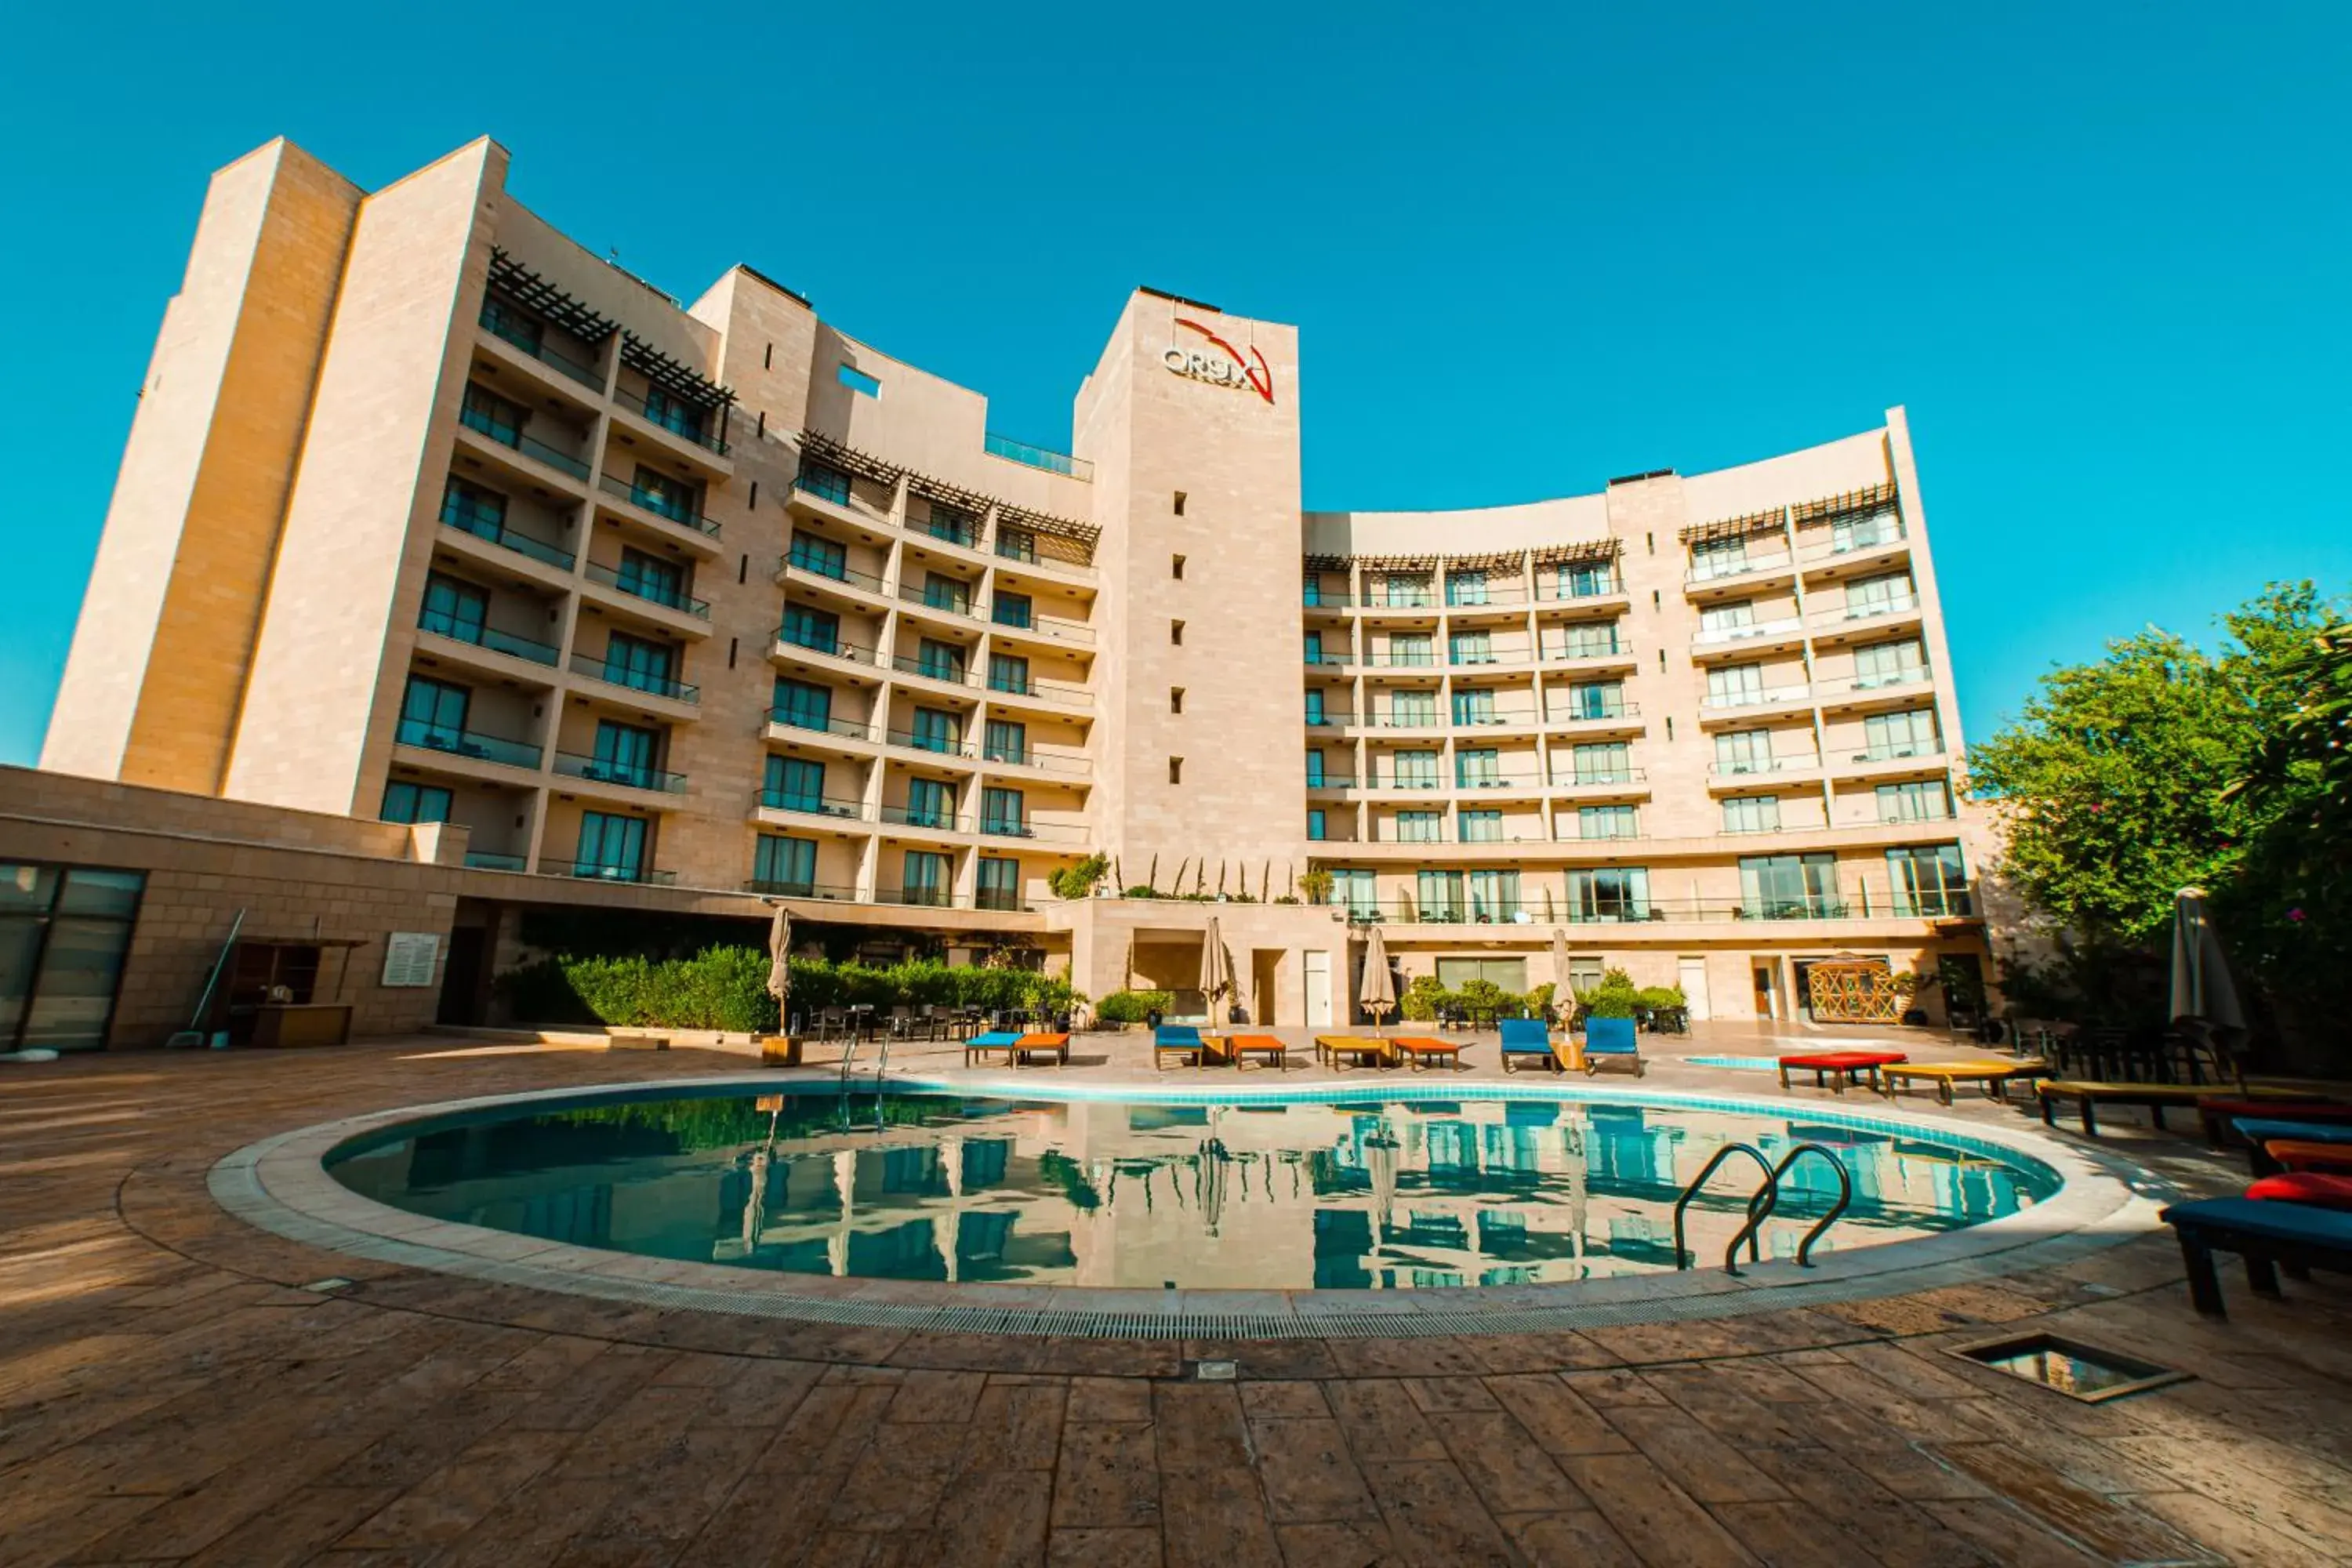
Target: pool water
point(1378, 1191)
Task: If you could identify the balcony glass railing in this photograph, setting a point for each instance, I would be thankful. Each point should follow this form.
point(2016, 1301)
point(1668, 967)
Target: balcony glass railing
point(1776, 625)
point(1852, 540)
point(618, 771)
point(1401, 599)
point(1707, 570)
point(1761, 697)
point(492, 861)
point(1548, 909)
point(950, 671)
point(1021, 827)
point(1014, 545)
point(592, 871)
point(960, 531)
point(661, 505)
point(810, 565)
point(936, 818)
point(615, 674)
point(1866, 609)
point(825, 484)
point(1022, 452)
point(1597, 587)
point(833, 892)
point(810, 803)
point(1044, 762)
point(1590, 778)
point(1595, 713)
point(652, 590)
point(1569, 652)
point(1899, 751)
point(440, 623)
point(1409, 660)
point(936, 744)
point(506, 436)
point(821, 723)
point(1325, 599)
point(1740, 767)
point(481, 526)
point(691, 425)
point(471, 743)
point(503, 323)
point(816, 641)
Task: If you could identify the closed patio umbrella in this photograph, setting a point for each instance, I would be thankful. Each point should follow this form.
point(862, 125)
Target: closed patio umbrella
point(1216, 969)
point(1377, 992)
point(780, 969)
point(2204, 997)
point(1563, 995)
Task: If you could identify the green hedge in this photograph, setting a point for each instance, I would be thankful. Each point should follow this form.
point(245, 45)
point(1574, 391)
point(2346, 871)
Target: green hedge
point(1130, 1006)
point(727, 988)
point(1424, 998)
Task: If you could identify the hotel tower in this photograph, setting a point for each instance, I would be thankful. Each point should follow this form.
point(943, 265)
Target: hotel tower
point(430, 516)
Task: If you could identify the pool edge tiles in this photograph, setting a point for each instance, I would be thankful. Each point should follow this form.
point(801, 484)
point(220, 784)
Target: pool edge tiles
point(281, 1184)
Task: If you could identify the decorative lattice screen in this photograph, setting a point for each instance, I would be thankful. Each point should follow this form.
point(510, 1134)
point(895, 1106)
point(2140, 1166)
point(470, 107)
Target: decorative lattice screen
point(1855, 991)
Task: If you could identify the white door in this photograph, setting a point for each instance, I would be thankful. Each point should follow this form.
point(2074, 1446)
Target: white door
point(1692, 974)
point(1318, 990)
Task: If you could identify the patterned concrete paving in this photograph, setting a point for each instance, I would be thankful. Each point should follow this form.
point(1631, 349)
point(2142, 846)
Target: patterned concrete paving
point(168, 1393)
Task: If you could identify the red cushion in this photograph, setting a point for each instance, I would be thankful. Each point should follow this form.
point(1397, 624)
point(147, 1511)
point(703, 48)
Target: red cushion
point(2305, 1187)
point(1830, 1061)
point(2297, 1155)
point(2278, 1110)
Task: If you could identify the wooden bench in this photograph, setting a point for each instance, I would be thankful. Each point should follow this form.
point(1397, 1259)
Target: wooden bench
point(2154, 1098)
point(1370, 1049)
point(2296, 1237)
point(1996, 1076)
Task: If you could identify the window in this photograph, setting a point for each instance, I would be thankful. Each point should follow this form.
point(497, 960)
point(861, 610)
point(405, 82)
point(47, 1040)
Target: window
point(1929, 881)
point(1353, 887)
point(1878, 595)
point(1479, 768)
point(1603, 700)
point(1607, 822)
point(1176, 634)
point(785, 865)
point(941, 592)
point(1744, 752)
point(927, 879)
point(1465, 587)
point(1439, 897)
point(624, 755)
point(1311, 589)
point(803, 706)
point(856, 380)
point(1175, 770)
point(1420, 827)
point(1008, 672)
point(477, 511)
point(1727, 620)
point(1314, 770)
point(1413, 711)
point(1510, 973)
point(1408, 591)
point(612, 848)
point(1788, 887)
point(1752, 814)
point(1849, 533)
point(939, 660)
point(1314, 643)
point(945, 522)
point(1474, 707)
point(651, 577)
point(659, 493)
point(1735, 685)
point(640, 664)
point(1888, 664)
point(454, 609)
point(1926, 800)
point(1012, 610)
point(1412, 648)
point(486, 412)
point(671, 412)
point(1718, 558)
point(1003, 812)
point(1016, 543)
point(1584, 974)
point(1910, 733)
point(1609, 893)
point(1415, 770)
point(930, 802)
point(1603, 762)
point(937, 730)
point(1471, 647)
point(433, 713)
point(824, 557)
point(1180, 503)
point(1314, 709)
point(1176, 567)
point(406, 802)
point(518, 327)
point(999, 884)
point(64, 932)
point(1584, 579)
point(1482, 827)
point(810, 628)
point(1591, 642)
point(1004, 741)
point(1315, 833)
point(795, 783)
point(1494, 897)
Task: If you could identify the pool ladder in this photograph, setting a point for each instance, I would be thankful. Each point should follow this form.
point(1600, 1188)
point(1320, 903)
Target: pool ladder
point(1761, 1203)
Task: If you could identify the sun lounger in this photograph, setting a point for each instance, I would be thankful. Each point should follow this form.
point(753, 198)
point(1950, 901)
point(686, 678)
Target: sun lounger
point(1423, 1049)
point(1370, 1049)
point(2311, 1187)
point(1239, 1048)
point(979, 1046)
point(2294, 1155)
point(2268, 1236)
point(1525, 1039)
point(1056, 1046)
point(2262, 1132)
point(1995, 1075)
point(1839, 1068)
point(2218, 1113)
point(2156, 1098)
point(1611, 1039)
point(1178, 1039)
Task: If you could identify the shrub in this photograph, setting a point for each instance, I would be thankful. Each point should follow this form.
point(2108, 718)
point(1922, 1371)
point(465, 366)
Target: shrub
point(727, 988)
point(1423, 997)
point(1080, 880)
point(1131, 1006)
point(1141, 891)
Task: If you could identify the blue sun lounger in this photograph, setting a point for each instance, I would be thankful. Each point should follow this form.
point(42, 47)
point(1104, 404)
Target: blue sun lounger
point(2257, 1130)
point(1005, 1040)
point(1614, 1038)
point(1525, 1037)
point(2298, 1237)
point(1183, 1038)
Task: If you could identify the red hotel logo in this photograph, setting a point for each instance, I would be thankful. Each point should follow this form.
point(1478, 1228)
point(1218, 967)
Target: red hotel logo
point(1232, 368)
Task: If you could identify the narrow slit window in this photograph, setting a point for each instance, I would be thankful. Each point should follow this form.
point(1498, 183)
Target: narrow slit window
point(1175, 700)
point(1176, 634)
point(1176, 567)
point(1180, 503)
point(1175, 770)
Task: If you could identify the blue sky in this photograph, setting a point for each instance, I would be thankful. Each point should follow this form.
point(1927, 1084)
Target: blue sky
point(2098, 251)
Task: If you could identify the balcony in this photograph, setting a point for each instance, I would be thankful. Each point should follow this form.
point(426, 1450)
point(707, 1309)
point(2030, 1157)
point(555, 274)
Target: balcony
point(441, 624)
point(589, 871)
point(935, 745)
point(614, 771)
point(1748, 631)
point(1418, 661)
point(1039, 458)
point(491, 860)
point(1876, 608)
point(1597, 655)
point(468, 743)
point(1606, 716)
point(627, 680)
point(1331, 782)
point(1044, 761)
point(1001, 684)
point(1601, 783)
point(1744, 569)
point(1762, 767)
point(807, 641)
point(1400, 599)
point(692, 428)
point(651, 591)
point(1742, 703)
point(520, 331)
point(495, 532)
point(659, 505)
point(942, 899)
point(830, 892)
point(828, 485)
point(1589, 591)
point(1896, 686)
point(808, 567)
point(1015, 620)
point(1900, 752)
point(1037, 832)
point(821, 723)
point(946, 671)
point(1858, 539)
point(804, 804)
point(510, 437)
point(1319, 599)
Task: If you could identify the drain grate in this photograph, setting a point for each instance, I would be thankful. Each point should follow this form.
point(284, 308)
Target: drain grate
point(2078, 1371)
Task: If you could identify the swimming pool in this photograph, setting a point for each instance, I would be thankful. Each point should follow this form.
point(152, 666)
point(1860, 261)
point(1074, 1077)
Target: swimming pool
point(1379, 1188)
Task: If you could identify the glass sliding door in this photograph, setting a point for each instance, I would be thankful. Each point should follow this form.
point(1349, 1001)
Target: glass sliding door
point(64, 932)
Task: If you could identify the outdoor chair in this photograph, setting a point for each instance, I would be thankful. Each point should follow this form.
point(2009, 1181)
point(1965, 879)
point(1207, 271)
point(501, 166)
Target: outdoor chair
point(1611, 1039)
point(1178, 1039)
point(1526, 1037)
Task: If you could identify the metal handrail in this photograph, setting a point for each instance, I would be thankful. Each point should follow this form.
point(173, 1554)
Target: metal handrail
point(1846, 1195)
point(1759, 1206)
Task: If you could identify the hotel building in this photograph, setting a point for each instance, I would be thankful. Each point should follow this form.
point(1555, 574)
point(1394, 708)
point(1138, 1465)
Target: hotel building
point(429, 516)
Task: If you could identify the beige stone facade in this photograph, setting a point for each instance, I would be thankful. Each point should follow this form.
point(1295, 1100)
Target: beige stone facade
point(683, 607)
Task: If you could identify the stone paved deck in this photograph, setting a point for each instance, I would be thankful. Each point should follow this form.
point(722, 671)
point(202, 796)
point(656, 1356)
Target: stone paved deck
point(168, 1392)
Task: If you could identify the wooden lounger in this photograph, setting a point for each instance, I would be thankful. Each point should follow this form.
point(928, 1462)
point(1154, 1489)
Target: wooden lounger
point(1420, 1048)
point(2156, 1098)
point(1004, 1040)
point(1838, 1068)
point(1239, 1048)
point(1996, 1076)
point(1178, 1039)
point(1360, 1047)
point(2268, 1236)
point(1056, 1046)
